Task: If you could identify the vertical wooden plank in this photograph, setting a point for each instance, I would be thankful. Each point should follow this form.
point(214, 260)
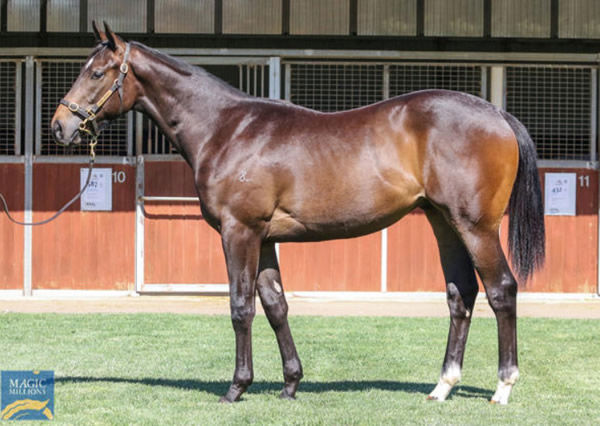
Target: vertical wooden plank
point(12, 178)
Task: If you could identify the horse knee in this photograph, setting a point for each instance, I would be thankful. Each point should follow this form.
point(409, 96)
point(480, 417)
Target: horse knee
point(242, 316)
point(503, 297)
point(508, 375)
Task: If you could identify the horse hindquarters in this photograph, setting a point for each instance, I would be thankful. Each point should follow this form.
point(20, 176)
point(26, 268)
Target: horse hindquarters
point(475, 212)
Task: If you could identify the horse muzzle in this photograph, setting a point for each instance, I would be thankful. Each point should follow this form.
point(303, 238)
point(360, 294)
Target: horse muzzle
point(65, 134)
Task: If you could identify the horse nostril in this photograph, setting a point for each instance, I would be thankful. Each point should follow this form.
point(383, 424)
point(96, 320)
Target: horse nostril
point(57, 130)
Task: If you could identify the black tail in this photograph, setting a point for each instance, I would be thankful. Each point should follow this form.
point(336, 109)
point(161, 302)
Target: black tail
point(526, 233)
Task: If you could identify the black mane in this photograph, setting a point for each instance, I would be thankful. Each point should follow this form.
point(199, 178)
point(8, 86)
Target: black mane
point(176, 65)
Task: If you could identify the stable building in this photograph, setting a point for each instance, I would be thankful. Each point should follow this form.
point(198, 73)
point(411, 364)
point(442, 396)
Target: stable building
point(144, 233)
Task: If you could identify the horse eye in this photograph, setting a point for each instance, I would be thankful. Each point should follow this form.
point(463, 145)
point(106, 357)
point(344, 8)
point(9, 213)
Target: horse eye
point(96, 75)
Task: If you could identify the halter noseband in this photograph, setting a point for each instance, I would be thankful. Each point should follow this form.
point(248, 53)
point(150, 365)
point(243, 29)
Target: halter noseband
point(89, 125)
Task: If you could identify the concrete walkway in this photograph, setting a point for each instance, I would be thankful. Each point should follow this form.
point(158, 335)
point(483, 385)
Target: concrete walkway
point(408, 305)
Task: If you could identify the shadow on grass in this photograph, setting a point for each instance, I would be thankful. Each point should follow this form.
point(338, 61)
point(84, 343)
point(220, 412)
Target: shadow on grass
point(220, 387)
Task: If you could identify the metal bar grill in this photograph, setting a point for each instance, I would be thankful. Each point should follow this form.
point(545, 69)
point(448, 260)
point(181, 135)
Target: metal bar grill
point(339, 86)
point(8, 109)
point(555, 104)
point(332, 87)
point(409, 78)
point(153, 140)
point(252, 79)
point(57, 78)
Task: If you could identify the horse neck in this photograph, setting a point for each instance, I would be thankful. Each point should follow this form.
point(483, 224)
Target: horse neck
point(186, 104)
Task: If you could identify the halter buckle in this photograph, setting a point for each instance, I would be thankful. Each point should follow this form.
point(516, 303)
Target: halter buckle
point(124, 68)
point(73, 107)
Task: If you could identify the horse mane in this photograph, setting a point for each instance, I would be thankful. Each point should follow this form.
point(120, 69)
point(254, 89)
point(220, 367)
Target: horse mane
point(99, 46)
point(187, 69)
point(176, 65)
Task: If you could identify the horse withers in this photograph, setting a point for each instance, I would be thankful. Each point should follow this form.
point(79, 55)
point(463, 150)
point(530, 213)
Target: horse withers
point(268, 171)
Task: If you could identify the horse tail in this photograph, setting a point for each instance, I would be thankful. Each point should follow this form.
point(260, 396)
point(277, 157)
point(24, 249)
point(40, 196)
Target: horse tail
point(526, 233)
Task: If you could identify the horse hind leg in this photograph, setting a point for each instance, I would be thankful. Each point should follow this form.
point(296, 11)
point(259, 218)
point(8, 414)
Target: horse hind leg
point(461, 292)
point(501, 289)
point(270, 291)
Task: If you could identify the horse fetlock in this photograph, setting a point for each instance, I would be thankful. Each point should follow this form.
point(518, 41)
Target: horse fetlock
point(509, 376)
point(507, 380)
point(243, 379)
point(451, 375)
point(292, 371)
point(290, 386)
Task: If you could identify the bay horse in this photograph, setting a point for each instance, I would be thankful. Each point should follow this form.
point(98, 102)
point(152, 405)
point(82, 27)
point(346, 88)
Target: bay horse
point(268, 172)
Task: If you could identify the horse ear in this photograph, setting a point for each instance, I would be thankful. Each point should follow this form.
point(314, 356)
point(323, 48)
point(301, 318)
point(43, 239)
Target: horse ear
point(111, 37)
point(97, 33)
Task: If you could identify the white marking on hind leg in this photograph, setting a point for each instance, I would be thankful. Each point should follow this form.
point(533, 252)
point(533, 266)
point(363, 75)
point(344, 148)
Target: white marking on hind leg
point(448, 379)
point(504, 389)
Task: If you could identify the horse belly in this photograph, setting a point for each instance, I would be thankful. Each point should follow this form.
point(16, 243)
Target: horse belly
point(343, 214)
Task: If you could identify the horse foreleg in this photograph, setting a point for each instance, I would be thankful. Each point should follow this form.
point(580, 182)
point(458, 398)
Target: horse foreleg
point(270, 291)
point(461, 292)
point(242, 250)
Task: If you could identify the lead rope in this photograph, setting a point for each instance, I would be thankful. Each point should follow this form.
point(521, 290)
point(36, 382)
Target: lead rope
point(93, 143)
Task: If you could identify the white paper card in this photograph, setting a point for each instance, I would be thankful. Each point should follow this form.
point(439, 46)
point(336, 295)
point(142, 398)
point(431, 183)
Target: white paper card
point(560, 197)
point(98, 195)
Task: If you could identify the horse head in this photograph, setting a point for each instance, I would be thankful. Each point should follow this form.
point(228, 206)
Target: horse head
point(103, 90)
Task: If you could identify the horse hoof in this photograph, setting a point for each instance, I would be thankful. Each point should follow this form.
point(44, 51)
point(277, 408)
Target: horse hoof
point(224, 400)
point(431, 398)
point(287, 396)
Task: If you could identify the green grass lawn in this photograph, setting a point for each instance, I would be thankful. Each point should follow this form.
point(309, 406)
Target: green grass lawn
point(171, 369)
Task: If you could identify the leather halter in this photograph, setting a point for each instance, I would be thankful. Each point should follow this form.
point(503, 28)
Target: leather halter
point(89, 125)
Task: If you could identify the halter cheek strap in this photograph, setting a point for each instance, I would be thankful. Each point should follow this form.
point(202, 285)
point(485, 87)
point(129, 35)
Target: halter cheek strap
point(89, 124)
